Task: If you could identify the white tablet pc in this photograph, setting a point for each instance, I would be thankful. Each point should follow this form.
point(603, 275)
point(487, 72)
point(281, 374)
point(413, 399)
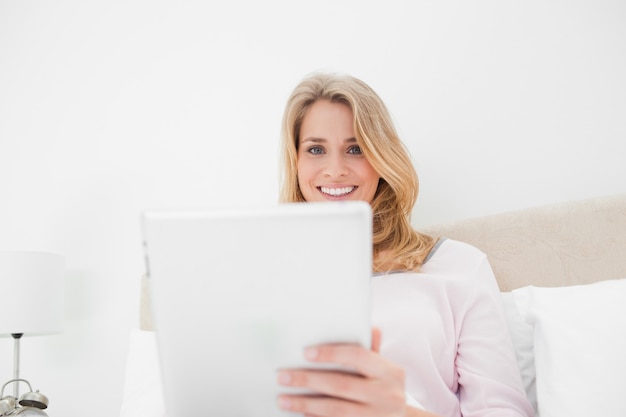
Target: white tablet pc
point(237, 294)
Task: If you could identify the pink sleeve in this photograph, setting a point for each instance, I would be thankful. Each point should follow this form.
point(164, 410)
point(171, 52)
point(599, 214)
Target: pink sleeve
point(489, 380)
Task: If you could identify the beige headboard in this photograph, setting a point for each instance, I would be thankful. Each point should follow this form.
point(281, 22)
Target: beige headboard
point(564, 244)
point(569, 243)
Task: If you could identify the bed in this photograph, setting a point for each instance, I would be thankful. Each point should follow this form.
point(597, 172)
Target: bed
point(561, 269)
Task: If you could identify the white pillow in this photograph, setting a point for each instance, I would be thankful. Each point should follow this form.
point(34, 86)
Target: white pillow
point(580, 347)
point(523, 337)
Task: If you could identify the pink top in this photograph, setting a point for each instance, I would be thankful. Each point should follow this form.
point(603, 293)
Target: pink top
point(446, 327)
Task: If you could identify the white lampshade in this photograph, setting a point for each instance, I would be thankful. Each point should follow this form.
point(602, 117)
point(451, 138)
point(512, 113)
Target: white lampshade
point(32, 288)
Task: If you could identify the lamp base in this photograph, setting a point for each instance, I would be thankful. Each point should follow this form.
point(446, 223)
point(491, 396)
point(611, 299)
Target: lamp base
point(16, 361)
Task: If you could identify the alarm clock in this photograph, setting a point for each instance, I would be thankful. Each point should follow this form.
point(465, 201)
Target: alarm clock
point(30, 404)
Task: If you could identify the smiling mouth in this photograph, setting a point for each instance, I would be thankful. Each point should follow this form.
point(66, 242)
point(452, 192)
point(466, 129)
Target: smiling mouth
point(337, 192)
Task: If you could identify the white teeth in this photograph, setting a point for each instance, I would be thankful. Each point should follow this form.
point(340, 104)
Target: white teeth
point(337, 191)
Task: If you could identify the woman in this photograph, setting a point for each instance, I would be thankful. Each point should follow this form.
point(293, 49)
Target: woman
point(440, 346)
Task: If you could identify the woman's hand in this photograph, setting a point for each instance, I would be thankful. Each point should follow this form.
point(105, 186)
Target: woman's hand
point(376, 388)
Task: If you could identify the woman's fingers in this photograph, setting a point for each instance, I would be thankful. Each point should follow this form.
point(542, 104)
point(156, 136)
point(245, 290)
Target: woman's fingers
point(354, 357)
point(377, 338)
point(348, 386)
point(322, 406)
point(376, 387)
point(368, 385)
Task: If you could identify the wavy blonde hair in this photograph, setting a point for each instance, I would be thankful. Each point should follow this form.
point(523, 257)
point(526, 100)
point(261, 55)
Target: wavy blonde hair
point(397, 246)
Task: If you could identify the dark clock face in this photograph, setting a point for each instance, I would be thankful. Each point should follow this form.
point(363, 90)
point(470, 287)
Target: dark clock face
point(28, 412)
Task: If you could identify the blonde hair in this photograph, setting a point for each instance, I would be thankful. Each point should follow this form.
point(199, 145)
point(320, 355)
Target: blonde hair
point(397, 245)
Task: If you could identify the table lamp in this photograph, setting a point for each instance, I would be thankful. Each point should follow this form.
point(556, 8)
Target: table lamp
point(32, 289)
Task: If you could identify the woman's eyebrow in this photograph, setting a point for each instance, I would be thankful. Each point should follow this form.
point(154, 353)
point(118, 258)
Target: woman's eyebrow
point(322, 140)
point(313, 139)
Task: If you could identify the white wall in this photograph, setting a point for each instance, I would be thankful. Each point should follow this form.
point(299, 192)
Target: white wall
point(109, 107)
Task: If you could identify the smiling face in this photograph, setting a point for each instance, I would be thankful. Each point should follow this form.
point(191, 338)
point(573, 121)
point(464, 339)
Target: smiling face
point(331, 166)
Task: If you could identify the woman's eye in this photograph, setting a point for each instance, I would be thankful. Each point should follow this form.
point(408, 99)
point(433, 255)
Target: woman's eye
point(355, 150)
point(315, 150)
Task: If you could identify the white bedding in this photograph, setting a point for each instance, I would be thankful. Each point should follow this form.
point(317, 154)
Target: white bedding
point(579, 347)
point(142, 394)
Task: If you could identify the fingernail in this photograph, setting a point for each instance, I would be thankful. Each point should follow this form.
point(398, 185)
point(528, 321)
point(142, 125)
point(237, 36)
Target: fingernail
point(284, 378)
point(311, 353)
point(284, 402)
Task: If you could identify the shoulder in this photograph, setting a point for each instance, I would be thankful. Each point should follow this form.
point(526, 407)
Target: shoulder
point(450, 262)
point(465, 271)
point(455, 278)
point(453, 256)
point(461, 268)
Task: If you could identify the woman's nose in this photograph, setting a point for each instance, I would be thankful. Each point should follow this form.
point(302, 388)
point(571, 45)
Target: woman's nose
point(336, 167)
